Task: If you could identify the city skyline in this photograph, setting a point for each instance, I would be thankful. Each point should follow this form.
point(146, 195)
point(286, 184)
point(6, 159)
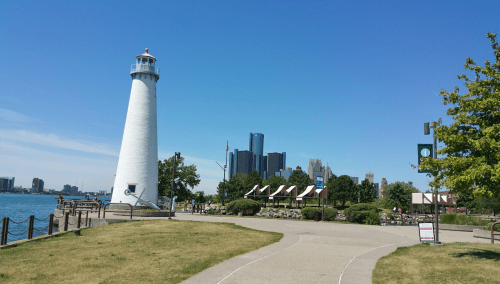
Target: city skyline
point(371, 73)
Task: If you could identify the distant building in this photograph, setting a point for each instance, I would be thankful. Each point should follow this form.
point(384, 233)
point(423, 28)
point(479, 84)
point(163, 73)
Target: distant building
point(66, 189)
point(370, 177)
point(240, 162)
point(256, 146)
point(355, 180)
point(327, 173)
point(315, 169)
point(377, 190)
point(383, 184)
point(286, 173)
point(37, 185)
point(73, 190)
point(275, 163)
point(7, 183)
point(4, 184)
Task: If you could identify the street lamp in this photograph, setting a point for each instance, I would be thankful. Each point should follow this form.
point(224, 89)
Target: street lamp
point(224, 169)
point(427, 132)
point(178, 156)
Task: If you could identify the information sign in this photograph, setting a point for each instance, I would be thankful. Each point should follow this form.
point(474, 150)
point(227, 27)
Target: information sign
point(192, 201)
point(426, 232)
point(424, 151)
point(319, 182)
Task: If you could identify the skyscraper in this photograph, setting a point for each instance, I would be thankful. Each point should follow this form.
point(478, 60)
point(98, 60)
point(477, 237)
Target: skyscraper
point(275, 162)
point(315, 169)
point(256, 146)
point(137, 170)
point(327, 173)
point(383, 184)
point(244, 162)
point(37, 185)
point(369, 177)
point(355, 180)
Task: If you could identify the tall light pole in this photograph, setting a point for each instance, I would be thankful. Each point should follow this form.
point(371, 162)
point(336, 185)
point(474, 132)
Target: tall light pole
point(178, 156)
point(427, 132)
point(224, 169)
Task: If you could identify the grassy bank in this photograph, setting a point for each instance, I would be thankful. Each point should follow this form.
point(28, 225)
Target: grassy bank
point(449, 263)
point(158, 251)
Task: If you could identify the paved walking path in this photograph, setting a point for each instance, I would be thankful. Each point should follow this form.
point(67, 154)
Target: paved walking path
point(312, 252)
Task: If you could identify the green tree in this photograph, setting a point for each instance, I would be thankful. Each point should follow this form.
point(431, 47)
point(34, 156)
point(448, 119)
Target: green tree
point(300, 179)
point(253, 179)
point(199, 197)
point(185, 176)
point(483, 203)
point(398, 194)
point(236, 187)
point(344, 189)
point(472, 142)
point(329, 186)
point(366, 191)
point(275, 181)
point(466, 199)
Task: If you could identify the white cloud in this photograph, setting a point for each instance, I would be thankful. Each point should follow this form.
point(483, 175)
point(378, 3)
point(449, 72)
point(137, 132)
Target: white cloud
point(56, 141)
point(13, 116)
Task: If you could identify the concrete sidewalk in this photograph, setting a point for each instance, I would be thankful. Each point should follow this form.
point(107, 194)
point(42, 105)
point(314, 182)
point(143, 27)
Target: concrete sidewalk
point(312, 252)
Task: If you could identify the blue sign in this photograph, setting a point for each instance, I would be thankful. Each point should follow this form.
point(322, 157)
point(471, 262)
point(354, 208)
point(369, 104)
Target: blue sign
point(192, 201)
point(319, 182)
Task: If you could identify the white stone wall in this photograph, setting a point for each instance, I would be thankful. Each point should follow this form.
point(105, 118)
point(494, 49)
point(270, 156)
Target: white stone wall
point(138, 161)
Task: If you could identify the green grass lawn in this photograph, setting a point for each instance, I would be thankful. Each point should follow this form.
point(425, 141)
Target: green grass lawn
point(449, 263)
point(156, 251)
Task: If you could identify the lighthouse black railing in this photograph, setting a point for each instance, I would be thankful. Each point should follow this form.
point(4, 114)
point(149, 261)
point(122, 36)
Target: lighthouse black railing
point(144, 68)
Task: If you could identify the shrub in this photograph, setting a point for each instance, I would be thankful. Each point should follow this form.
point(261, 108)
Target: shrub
point(462, 219)
point(360, 207)
point(308, 213)
point(373, 218)
point(213, 211)
point(246, 206)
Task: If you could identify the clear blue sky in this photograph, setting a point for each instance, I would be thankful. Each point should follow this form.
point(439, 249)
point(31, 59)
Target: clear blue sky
point(348, 82)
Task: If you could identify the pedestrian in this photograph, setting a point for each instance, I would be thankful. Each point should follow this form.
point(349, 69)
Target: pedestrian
point(61, 201)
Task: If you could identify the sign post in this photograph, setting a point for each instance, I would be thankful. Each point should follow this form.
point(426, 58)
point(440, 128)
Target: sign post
point(426, 232)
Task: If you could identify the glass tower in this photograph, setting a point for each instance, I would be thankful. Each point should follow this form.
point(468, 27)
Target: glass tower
point(256, 146)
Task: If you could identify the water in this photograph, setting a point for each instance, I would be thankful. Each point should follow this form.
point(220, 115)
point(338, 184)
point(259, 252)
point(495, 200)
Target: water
point(18, 207)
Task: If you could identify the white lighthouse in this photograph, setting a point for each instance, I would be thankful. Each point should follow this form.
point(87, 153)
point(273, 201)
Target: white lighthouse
point(137, 171)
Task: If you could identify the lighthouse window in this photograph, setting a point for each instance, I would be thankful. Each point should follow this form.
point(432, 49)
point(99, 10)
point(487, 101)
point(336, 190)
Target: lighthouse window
point(151, 61)
point(144, 60)
point(131, 187)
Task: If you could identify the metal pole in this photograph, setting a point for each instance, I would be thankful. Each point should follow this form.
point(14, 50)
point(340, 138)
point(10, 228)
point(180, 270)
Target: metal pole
point(51, 224)
point(172, 189)
point(225, 166)
point(31, 224)
point(436, 241)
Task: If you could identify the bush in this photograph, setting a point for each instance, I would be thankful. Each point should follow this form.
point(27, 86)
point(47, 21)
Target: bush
point(308, 213)
point(246, 206)
point(462, 219)
point(373, 218)
point(213, 211)
point(360, 207)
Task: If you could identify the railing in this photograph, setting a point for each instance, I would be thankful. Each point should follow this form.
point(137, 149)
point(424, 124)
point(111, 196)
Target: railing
point(493, 234)
point(74, 206)
point(107, 204)
point(144, 68)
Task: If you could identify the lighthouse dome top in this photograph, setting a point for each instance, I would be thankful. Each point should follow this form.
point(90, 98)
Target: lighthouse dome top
point(145, 64)
point(146, 54)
